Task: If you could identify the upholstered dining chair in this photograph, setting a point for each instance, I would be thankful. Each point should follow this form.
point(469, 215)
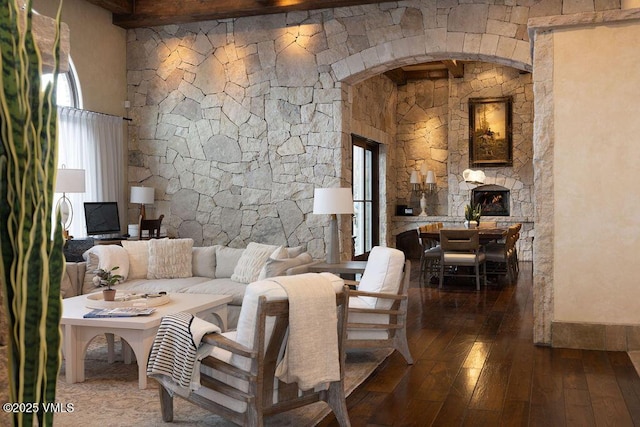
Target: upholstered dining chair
point(461, 248)
point(377, 314)
point(430, 252)
point(239, 378)
point(150, 225)
point(502, 256)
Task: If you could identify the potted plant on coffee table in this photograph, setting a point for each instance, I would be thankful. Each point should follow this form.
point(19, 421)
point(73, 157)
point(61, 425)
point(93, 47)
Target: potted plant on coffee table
point(107, 278)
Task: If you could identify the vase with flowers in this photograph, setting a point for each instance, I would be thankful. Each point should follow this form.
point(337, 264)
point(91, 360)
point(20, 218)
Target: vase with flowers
point(472, 215)
point(107, 278)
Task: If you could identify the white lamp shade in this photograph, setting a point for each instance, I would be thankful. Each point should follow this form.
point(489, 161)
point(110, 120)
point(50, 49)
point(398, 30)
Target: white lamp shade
point(332, 201)
point(144, 195)
point(415, 178)
point(70, 181)
point(431, 178)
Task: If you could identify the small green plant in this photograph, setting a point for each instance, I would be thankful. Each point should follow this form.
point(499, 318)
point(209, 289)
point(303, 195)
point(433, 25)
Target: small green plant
point(472, 213)
point(106, 277)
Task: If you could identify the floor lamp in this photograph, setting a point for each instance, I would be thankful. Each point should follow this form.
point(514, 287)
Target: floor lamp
point(333, 201)
point(142, 195)
point(68, 181)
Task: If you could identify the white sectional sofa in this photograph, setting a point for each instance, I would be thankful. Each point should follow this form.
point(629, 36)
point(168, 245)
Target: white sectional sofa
point(175, 265)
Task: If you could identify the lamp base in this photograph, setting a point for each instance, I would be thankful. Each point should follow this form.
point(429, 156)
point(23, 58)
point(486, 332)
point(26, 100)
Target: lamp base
point(333, 247)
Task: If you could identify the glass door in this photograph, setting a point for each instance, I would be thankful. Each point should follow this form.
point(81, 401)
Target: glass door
point(365, 197)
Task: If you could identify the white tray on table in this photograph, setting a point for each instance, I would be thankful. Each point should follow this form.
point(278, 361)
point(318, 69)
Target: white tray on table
point(127, 299)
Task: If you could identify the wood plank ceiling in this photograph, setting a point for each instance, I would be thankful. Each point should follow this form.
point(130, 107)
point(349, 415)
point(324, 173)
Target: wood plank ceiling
point(149, 13)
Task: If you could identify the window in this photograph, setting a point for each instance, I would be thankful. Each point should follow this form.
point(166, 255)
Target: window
point(365, 197)
point(68, 91)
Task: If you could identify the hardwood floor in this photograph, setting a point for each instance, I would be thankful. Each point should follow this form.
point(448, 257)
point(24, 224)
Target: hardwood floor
point(476, 365)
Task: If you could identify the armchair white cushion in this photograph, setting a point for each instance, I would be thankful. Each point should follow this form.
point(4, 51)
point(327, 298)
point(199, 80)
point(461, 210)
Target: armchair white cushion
point(378, 308)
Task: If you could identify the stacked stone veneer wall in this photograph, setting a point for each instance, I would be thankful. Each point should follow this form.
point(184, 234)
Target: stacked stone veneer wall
point(433, 128)
point(236, 121)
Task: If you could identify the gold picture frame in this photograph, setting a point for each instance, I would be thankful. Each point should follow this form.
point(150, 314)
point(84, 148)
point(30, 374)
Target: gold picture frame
point(490, 135)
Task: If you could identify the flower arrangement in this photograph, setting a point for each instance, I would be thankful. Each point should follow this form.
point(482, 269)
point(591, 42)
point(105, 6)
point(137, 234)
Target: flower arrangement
point(106, 277)
point(472, 213)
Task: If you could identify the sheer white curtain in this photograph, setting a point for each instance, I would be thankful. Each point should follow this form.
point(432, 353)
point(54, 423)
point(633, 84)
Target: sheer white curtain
point(93, 142)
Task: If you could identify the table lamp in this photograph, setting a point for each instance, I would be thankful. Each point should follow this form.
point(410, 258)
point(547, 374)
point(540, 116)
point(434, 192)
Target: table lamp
point(333, 201)
point(68, 181)
point(142, 195)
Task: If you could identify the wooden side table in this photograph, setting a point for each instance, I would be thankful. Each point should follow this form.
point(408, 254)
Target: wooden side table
point(346, 269)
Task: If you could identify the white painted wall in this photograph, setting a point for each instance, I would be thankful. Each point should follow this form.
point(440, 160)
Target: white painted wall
point(98, 50)
point(596, 164)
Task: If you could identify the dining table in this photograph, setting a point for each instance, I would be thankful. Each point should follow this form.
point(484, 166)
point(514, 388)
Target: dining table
point(486, 235)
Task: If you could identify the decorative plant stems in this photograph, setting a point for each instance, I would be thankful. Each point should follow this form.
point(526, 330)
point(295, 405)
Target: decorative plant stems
point(32, 262)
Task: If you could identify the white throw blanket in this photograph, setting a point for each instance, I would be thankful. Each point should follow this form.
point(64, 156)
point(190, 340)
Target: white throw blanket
point(311, 357)
point(176, 351)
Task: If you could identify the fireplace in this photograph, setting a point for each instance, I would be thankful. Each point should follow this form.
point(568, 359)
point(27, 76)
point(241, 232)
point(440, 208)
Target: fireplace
point(494, 200)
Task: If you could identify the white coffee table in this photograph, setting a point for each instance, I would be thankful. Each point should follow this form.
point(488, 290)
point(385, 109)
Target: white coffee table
point(139, 332)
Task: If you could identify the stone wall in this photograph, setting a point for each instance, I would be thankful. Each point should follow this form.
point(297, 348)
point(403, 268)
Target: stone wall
point(235, 122)
point(489, 80)
point(423, 121)
point(433, 127)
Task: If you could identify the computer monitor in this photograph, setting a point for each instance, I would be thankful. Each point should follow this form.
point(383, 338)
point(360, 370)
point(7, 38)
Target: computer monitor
point(102, 218)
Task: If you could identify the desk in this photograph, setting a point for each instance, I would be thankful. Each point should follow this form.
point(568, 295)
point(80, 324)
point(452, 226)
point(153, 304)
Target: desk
point(346, 267)
point(486, 234)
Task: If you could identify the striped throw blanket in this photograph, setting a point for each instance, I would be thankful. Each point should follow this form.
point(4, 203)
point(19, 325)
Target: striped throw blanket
point(174, 354)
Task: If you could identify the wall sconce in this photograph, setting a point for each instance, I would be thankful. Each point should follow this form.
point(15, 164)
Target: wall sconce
point(68, 181)
point(142, 195)
point(333, 201)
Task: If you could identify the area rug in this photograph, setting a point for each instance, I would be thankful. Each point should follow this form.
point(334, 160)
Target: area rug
point(109, 396)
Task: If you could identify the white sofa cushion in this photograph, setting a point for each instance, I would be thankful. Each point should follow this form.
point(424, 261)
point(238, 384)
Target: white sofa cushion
point(170, 258)
point(204, 261)
point(382, 275)
point(278, 267)
point(226, 260)
point(105, 257)
point(224, 286)
point(138, 251)
point(251, 262)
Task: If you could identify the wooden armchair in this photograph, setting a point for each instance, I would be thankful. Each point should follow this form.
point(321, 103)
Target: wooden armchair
point(150, 225)
point(238, 380)
point(377, 312)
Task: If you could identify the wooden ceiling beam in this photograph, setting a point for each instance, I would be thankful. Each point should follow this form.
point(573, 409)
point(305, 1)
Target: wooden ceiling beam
point(115, 6)
point(149, 13)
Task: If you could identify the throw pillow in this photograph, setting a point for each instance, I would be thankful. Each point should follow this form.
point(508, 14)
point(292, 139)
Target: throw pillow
point(204, 261)
point(278, 267)
point(295, 251)
point(105, 257)
point(226, 260)
point(251, 262)
point(138, 251)
point(170, 258)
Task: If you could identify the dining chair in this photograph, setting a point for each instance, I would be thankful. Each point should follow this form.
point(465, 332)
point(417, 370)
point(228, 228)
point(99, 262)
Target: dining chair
point(430, 252)
point(501, 256)
point(150, 225)
point(377, 311)
point(461, 248)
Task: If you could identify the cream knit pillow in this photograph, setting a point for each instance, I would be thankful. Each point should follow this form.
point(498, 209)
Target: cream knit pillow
point(170, 258)
point(251, 262)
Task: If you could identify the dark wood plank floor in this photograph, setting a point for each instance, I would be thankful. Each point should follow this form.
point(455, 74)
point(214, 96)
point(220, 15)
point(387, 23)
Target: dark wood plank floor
point(476, 365)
